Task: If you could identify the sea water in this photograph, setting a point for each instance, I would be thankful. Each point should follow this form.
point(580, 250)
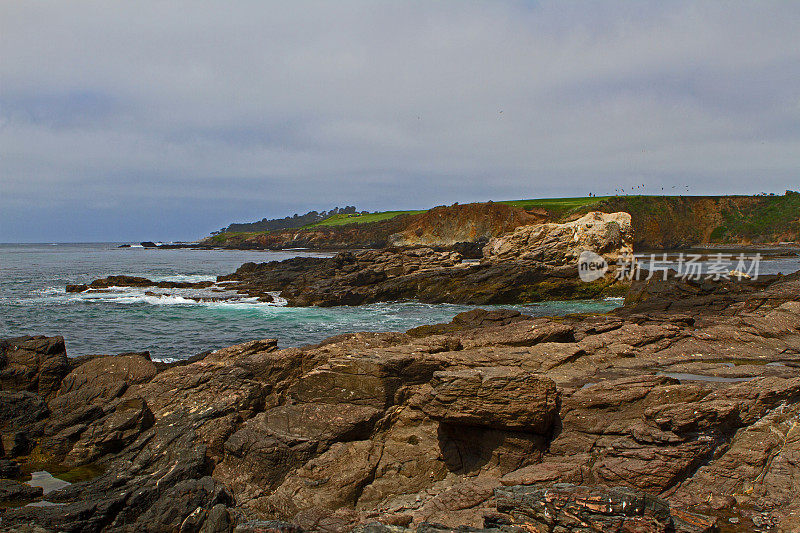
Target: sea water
point(173, 326)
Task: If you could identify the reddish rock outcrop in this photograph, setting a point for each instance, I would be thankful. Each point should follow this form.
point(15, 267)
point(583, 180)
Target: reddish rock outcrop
point(449, 225)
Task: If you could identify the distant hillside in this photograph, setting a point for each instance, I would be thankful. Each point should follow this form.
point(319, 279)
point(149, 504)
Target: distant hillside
point(296, 221)
point(659, 222)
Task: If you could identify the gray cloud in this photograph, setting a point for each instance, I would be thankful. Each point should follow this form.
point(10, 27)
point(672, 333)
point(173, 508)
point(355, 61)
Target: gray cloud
point(117, 120)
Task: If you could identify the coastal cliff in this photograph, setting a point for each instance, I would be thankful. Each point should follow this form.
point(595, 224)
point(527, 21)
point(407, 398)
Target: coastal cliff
point(532, 263)
point(444, 226)
point(659, 222)
point(450, 225)
point(664, 222)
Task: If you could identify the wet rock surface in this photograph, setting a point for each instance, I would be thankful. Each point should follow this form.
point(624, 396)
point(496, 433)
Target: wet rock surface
point(678, 412)
point(136, 281)
point(355, 278)
point(14, 491)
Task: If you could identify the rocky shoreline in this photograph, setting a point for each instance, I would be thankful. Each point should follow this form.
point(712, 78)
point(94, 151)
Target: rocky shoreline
point(677, 412)
point(530, 264)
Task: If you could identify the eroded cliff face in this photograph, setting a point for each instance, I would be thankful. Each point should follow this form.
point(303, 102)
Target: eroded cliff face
point(443, 226)
point(664, 222)
point(448, 225)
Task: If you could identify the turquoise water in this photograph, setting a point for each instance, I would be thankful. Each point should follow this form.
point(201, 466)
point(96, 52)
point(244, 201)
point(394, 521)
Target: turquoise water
point(179, 325)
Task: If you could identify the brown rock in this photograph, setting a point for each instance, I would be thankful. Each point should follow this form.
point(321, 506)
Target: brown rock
point(495, 397)
point(35, 364)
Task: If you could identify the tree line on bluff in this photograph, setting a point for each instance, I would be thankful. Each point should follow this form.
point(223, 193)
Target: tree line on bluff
point(295, 221)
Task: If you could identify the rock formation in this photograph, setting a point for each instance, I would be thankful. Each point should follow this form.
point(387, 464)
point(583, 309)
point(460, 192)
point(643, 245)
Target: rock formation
point(676, 413)
point(354, 278)
point(609, 235)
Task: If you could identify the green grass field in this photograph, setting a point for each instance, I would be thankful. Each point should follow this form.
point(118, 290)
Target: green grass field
point(223, 237)
point(554, 205)
point(341, 220)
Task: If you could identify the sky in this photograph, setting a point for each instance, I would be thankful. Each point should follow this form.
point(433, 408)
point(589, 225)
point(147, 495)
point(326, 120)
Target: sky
point(155, 120)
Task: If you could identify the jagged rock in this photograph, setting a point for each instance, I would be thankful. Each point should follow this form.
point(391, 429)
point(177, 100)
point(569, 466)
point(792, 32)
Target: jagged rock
point(14, 491)
point(366, 380)
point(9, 469)
point(34, 364)
point(326, 484)
point(354, 278)
point(89, 417)
point(217, 520)
point(20, 410)
point(22, 419)
point(153, 485)
point(609, 235)
point(100, 379)
point(271, 444)
point(113, 433)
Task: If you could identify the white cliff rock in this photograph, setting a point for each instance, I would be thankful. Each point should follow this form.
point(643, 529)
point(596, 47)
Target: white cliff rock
point(607, 234)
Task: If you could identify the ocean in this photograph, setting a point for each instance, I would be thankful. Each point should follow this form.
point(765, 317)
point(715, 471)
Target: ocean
point(33, 301)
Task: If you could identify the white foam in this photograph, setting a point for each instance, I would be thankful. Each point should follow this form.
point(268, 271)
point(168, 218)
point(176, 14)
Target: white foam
point(50, 291)
point(131, 298)
point(184, 297)
point(189, 278)
point(244, 303)
point(279, 301)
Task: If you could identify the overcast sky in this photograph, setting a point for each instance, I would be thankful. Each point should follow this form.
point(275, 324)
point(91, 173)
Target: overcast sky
point(167, 120)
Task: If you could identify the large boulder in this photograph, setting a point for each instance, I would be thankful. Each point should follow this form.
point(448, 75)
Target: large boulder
point(610, 235)
point(88, 416)
point(260, 454)
point(494, 397)
point(100, 379)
